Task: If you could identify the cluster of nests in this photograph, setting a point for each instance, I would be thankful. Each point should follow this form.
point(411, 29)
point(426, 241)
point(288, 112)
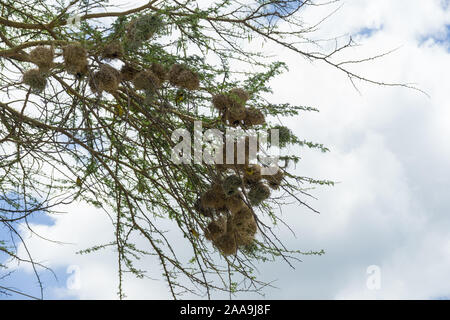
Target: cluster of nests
point(232, 107)
point(37, 78)
point(149, 80)
point(107, 78)
point(229, 204)
point(75, 62)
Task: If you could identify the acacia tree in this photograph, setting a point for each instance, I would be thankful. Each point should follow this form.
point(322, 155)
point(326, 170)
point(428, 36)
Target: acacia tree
point(87, 114)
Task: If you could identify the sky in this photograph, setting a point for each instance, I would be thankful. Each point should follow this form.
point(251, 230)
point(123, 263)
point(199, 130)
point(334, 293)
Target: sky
point(385, 227)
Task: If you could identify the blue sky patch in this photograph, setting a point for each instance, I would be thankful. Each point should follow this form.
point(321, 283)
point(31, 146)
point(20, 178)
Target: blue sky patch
point(27, 283)
point(367, 32)
point(441, 38)
point(20, 280)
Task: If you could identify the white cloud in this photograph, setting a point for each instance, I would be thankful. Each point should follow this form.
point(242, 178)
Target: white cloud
point(389, 151)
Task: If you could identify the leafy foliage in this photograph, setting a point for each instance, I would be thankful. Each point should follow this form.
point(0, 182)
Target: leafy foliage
point(112, 147)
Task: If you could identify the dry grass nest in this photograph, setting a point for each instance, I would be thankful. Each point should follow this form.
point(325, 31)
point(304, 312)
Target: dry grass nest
point(238, 229)
point(216, 229)
point(239, 96)
point(252, 174)
point(146, 80)
point(128, 72)
point(244, 227)
point(75, 59)
point(258, 193)
point(231, 185)
point(236, 97)
point(181, 76)
point(253, 117)
point(235, 115)
point(142, 29)
point(221, 102)
point(43, 57)
point(214, 198)
point(226, 244)
point(159, 70)
point(206, 212)
point(35, 79)
point(105, 79)
point(232, 106)
point(235, 203)
point(113, 50)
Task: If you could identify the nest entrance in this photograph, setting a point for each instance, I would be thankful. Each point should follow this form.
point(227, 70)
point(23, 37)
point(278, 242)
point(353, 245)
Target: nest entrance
point(113, 50)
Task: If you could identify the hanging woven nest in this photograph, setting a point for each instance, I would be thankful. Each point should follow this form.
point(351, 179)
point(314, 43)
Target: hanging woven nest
point(105, 79)
point(226, 244)
point(206, 212)
point(159, 70)
point(231, 185)
point(113, 50)
point(258, 193)
point(252, 174)
point(244, 229)
point(243, 226)
point(232, 120)
point(216, 229)
point(233, 102)
point(244, 213)
point(239, 96)
point(142, 29)
point(128, 72)
point(75, 60)
point(254, 117)
point(214, 198)
point(234, 203)
point(35, 79)
point(42, 57)
point(181, 76)
point(235, 114)
point(221, 102)
point(146, 80)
